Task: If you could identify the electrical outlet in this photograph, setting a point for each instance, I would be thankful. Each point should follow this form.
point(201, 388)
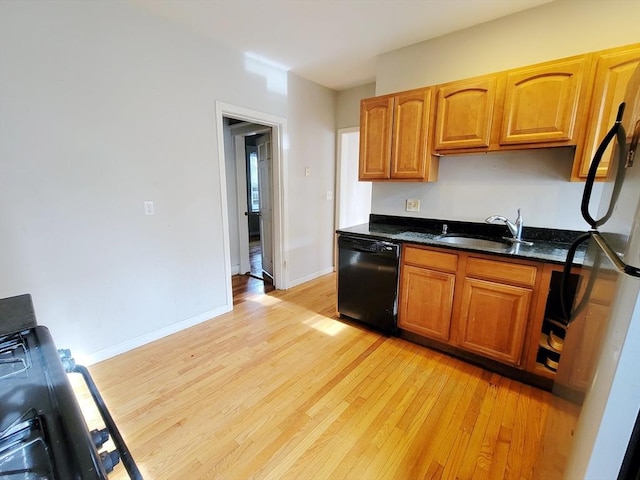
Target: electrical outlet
point(307, 171)
point(413, 205)
point(329, 195)
point(148, 207)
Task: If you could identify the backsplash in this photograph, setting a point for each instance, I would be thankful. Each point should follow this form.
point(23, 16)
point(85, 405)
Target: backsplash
point(472, 187)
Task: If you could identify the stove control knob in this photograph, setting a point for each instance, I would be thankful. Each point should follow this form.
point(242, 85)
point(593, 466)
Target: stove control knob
point(67, 360)
point(99, 437)
point(109, 460)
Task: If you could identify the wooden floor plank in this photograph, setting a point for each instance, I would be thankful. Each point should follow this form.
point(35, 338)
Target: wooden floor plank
point(281, 388)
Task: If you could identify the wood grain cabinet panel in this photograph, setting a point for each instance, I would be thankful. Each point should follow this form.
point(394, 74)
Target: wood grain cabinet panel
point(410, 134)
point(394, 135)
point(426, 302)
point(493, 319)
point(613, 70)
point(465, 113)
point(469, 302)
point(376, 123)
point(432, 259)
point(513, 273)
point(541, 102)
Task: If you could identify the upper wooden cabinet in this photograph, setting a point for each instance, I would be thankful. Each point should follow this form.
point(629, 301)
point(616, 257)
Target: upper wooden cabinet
point(394, 130)
point(613, 69)
point(571, 102)
point(530, 107)
point(465, 113)
point(376, 125)
point(541, 102)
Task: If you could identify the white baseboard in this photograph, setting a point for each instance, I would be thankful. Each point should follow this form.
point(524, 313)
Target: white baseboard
point(136, 342)
point(308, 278)
point(155, 335)
point(235, 270)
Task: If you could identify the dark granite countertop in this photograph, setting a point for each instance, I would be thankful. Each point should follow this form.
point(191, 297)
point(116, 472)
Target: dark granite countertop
point(549, 245)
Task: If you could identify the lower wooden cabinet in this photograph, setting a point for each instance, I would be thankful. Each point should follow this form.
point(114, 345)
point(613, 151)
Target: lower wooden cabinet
point(428, 280)
point(493, 319)
point(426, 302)
point(468, 301)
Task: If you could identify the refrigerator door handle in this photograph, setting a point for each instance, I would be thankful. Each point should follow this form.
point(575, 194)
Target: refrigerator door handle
point(619, 162)
point(615, 259)
point(565, 301)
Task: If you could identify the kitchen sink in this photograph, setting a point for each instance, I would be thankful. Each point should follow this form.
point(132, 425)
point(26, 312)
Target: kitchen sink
point(467, 241)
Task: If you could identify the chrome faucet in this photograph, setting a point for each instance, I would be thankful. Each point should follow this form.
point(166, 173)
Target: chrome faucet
point(514, 228)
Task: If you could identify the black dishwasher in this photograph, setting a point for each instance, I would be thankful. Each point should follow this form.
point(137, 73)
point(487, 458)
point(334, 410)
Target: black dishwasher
point(368, 281)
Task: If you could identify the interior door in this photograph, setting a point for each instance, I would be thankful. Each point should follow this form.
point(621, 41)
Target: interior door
point(266, 205)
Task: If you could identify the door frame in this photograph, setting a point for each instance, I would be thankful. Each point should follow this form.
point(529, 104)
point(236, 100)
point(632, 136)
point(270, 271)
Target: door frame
point(278, 135)
point(340, 166)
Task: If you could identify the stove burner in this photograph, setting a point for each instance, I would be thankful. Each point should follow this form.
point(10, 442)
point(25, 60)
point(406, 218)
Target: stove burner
point(24, 453)
point(14, 358)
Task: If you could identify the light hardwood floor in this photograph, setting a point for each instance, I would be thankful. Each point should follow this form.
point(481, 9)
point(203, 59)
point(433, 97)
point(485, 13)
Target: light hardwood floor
point(279, 388)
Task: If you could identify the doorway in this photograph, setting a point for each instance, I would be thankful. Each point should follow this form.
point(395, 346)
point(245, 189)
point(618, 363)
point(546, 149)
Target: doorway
point(353, 202)
point(236, 125)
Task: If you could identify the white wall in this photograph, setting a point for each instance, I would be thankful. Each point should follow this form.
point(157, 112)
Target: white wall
point(473, 187)
point(311, 213)
point(348, 112)
point(103, 106)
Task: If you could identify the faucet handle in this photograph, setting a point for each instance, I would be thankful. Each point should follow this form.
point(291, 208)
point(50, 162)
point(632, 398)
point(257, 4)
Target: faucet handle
point(519, 219)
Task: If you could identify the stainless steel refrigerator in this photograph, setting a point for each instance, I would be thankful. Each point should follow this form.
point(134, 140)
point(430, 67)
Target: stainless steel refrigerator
point(592, 428)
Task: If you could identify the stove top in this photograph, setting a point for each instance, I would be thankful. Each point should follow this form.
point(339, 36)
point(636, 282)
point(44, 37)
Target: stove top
point(43, 434)
point(39, 414)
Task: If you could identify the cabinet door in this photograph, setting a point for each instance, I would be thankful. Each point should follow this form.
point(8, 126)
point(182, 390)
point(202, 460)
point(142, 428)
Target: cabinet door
point(493, 319)
point(541, 103)
point(464, 114)
point(410, 127)
point(613, 71)
point(426, 301)
point(376, 122)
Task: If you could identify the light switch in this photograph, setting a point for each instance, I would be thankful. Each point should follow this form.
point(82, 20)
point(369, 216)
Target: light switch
point(329, 195)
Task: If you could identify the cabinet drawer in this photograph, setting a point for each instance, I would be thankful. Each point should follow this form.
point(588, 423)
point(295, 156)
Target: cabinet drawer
point(502, 271)
point(431, 259)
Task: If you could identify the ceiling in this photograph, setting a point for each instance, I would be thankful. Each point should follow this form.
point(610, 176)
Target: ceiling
point(331, 42)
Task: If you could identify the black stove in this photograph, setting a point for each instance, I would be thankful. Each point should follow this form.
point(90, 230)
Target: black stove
point(43, 434)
